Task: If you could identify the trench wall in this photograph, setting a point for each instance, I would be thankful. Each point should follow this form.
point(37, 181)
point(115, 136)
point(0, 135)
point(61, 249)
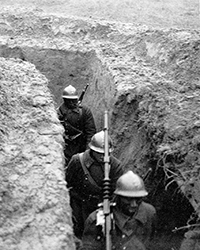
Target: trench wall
point(34, 202)
point(149, 81)
point(64, 67)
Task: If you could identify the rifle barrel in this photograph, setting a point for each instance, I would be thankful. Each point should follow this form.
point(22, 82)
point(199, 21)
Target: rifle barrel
point(83, 93)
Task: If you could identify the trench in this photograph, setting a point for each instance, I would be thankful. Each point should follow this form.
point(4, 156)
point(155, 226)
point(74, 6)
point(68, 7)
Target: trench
point(78, 68)
point(70, 67)
point(174, 211)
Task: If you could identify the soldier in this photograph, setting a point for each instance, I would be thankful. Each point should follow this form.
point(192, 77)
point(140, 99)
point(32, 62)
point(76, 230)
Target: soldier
point(133, 219)
point(191, 240)
point(84, 175)
point(78, 122)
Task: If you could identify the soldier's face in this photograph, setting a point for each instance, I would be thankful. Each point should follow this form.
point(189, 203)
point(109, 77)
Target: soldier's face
point(129, 205)
point(99, 157)
point(71, 103)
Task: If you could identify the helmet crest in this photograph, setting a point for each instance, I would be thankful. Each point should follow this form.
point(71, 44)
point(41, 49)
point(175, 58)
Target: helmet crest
point(97, 143)
point(70, 93)
point(130, 185)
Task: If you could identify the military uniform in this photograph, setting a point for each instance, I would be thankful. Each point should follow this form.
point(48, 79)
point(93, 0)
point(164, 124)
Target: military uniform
point(79, 128)
point(85, 182)
point(128, 233)
point(191, 240)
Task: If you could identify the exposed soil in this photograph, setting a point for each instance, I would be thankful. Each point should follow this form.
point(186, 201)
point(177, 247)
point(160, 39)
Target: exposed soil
point(142, 60)
point(154, 13)
point(33, 191)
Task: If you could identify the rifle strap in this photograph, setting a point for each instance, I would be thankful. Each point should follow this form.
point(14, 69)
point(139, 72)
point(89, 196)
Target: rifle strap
point(87, 173)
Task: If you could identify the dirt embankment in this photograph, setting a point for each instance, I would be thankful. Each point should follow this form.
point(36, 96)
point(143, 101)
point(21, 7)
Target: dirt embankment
point(153, 13)
point(33, 195)
point(147, 78)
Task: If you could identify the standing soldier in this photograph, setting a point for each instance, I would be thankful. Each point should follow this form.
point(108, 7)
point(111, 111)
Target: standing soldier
point(84, 175)
point(133, 220)
point(78, 122)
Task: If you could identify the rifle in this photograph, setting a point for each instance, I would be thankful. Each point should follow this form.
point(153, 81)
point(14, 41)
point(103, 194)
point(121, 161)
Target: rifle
point(83, 93)
point(106, 186)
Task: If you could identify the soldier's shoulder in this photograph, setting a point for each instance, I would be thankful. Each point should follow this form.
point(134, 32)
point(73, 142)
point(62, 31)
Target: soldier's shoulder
point(61, 110)
point(75, 157)
point(74, 163)
point(148, 207)
point(84, 108)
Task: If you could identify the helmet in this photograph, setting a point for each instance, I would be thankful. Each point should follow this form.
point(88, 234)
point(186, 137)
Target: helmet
point(70, 93)
point(130, 185)
point(97, 143)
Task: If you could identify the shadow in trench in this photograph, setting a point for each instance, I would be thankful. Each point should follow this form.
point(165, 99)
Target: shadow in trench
point(173, 210)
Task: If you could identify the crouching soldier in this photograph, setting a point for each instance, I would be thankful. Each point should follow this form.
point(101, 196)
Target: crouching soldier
point(133, 219)
point(84, 175)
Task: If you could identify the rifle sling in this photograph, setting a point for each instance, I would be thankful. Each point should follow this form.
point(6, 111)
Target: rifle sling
point(86, 172)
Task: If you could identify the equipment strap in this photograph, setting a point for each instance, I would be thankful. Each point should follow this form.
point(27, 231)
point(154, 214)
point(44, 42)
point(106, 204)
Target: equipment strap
point(87, 173)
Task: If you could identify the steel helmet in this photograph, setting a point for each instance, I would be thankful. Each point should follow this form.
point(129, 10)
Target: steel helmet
point(97, 143)
point(130, 185)
point(70, 93)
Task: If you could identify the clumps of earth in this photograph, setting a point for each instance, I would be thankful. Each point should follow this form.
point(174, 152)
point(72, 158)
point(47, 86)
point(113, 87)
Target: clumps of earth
point(149, 81)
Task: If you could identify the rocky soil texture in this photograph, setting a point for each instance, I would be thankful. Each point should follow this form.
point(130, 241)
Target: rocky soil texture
point(33, 191)
point(146, 76)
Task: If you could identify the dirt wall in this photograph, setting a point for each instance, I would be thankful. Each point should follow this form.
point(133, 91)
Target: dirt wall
point(34, 202)
point(144, 75)
point(148, 79)
point(153, 13)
